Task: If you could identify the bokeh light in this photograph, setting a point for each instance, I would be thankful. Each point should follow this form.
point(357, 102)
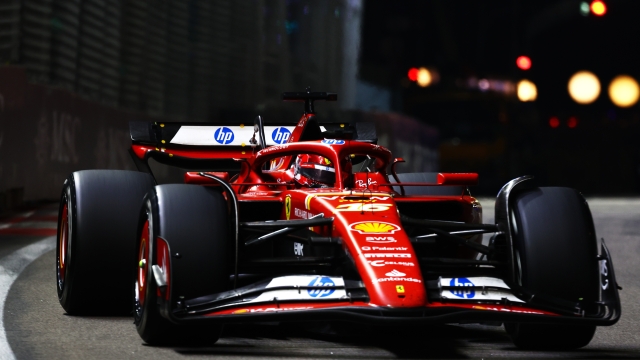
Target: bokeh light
point(598, 8)
point(584, 87)
point(527, 90)
point(413, 74)
point(572, 123)
point(424, 77)
point(584, 8)
point(523, 62)
point(554, 122)
point(624, 91)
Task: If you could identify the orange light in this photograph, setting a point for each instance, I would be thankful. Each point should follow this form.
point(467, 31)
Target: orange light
point(572, 122)
point(413, 74)
point(598, 8)
point(554, 122)
point(624, 91)
point(523, 62)
point(424, 78)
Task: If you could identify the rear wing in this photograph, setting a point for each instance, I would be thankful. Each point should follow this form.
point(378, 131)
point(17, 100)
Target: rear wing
point(219, 146)
point(164, 134)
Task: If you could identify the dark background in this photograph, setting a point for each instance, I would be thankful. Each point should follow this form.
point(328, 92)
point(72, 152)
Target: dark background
point(74, 72)
point(496, 135)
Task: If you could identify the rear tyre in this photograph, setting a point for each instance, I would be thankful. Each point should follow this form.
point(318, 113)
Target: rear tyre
point(97, 224)
point(556, 256)
point(193, 221)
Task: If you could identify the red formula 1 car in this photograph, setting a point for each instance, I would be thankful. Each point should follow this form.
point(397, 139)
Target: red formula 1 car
point(312, 223)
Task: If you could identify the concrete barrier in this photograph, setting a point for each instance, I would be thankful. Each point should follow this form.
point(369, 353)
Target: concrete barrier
point(46, 133)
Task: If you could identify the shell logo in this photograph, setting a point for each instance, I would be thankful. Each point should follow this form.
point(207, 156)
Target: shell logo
point(367, 227)
point(241, 311)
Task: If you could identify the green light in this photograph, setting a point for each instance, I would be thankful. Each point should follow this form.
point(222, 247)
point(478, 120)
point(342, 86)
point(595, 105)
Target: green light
point(584, 8)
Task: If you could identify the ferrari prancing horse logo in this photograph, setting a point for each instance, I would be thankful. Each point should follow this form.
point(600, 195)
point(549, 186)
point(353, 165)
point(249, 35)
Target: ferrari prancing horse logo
point(287, 207)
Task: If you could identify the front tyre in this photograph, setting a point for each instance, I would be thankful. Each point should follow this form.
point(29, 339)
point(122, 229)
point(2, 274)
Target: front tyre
point(556, 256)
point(191, 221)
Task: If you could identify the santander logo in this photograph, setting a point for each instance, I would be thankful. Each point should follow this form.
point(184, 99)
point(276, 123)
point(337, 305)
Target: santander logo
point(395, 273)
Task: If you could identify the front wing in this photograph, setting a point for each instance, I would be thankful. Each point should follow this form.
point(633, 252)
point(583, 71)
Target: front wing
point(317, 298)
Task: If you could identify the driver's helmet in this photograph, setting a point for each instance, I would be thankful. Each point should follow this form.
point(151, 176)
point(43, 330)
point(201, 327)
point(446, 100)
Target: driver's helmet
point(314, 171)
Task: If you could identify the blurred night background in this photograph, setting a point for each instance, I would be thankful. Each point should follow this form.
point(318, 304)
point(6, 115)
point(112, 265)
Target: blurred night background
point(454, 86)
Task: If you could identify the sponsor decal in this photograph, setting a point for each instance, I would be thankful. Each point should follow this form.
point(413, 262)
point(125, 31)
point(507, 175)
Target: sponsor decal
point(223, 135)
point(287, 206)
point(379, 263)
point(256, 193)
point(395, 272)
point(604, 275)
point(297, 249)
point(333, 142)
point(325, 287)
point(387, 255)
point(363, 207)
point(467, 288)
point(362, 183)
point(400, 289)
point(461, 284)
point(321, 281)
point(271, 148)
point(374, 227)
point(383, 248)
point(380, 239)
point(261, 310)
point(479, 307)
point(302, 213)
point(387, 279)
point(280, 135)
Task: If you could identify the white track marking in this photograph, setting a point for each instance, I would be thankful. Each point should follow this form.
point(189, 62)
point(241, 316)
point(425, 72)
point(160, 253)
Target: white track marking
point(10, 267)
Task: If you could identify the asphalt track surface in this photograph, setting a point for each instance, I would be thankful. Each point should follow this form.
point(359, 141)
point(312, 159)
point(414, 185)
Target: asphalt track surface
point(36, 327)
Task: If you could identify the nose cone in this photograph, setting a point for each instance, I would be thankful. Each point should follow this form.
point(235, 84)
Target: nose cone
point(383, 254)
point(390, 270)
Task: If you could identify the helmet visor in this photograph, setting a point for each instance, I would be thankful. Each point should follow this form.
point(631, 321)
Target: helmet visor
point(319, 173)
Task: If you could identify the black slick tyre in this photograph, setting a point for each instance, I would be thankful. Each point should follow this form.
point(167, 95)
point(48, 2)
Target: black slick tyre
point(556, 257)
point(193, 221)
point(96, 234)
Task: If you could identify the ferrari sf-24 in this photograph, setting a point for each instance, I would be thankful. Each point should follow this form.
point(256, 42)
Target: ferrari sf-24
point(313, 222)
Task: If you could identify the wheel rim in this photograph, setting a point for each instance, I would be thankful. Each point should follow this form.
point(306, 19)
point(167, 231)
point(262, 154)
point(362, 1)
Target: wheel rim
point(63, 245)
point(142, 268)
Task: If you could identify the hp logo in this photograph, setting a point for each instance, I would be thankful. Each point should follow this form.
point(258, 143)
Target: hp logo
point(223, 135)
point(321, 281)
point(280, 135)
point(333, 142)
point(461, 283)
